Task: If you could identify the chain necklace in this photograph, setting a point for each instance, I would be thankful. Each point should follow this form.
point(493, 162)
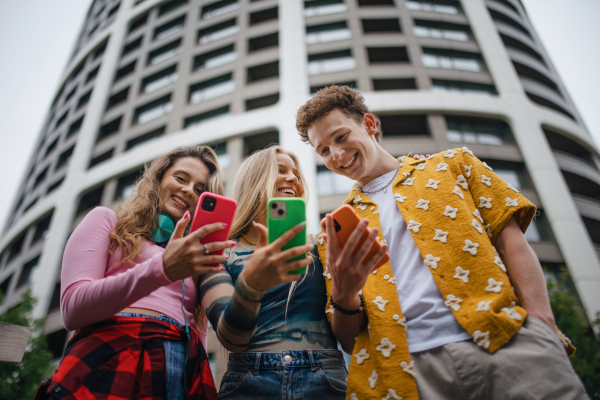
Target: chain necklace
point(248, 240)
point(384, 187)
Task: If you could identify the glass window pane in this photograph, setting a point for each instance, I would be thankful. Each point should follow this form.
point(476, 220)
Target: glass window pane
point(454, 136)
point(485, 138)
point(342, 184)
point(532, 234)
point(509, 176)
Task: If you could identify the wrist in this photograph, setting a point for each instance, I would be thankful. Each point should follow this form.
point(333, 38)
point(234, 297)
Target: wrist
point(352, 311)
point(347, 302)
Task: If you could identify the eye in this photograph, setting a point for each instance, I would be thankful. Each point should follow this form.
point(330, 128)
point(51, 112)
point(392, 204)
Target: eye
point(340, 138)
point(198, 191)
point(180, 179)
point(324, 151)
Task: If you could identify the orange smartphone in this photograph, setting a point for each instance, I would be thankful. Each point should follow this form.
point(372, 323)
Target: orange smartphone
point(213, 208)
point(345, 220)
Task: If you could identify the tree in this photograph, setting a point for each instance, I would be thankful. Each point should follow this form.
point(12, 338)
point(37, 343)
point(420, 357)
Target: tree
point(19, 381)
point(572, 322)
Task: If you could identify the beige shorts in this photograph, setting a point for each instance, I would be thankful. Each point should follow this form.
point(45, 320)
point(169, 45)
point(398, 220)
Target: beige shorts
point(532, 365)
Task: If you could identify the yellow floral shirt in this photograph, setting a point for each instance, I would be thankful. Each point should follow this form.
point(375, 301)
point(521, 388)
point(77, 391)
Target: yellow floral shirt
point(455, 207)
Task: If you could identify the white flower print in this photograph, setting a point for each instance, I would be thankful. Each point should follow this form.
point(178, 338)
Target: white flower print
point(353, 396)
point(511, 202)
point(396, 317)
point(402, 322)
point(511, 187)
point(357, 199)
point(408, 181)
point(431, 261)
point(432, 184)
point(362, 207)
point(413, 226)
point(470, 247)
point(453, 302)
point(329, 310)
point(482, 338)
point(441, 167)
point(391, 395)
point(476, 225)
point(462, 274)
point(462, 182)
point(449, 153)
point(423, 204)
point(512, 313)
point(478, 215)
point(373, 379)
point(361, 356)
point(458, 192)
point(408, 367)
point(372, 208)
point(488, 230)
point(564, 339)
point(487, 166)
point(326, 273)
point(450, 212)
point(499, 263)
point(441, 236)
point(494, 286)
point(421, 166)
point(386, 277)
point(392, 280)
point(374, 271)
point(466, 150)
point(485, 202)
point(320, 239)
point(380, 303)
point(484, 305)
point(486, 181)
point(385, 347)
point(399, 198)
point(375, 212)
point(468, 170)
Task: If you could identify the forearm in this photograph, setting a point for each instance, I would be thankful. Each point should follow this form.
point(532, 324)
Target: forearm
point(346, 328)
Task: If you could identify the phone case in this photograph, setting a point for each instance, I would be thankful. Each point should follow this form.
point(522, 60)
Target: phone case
point(223, 210)
point(345, 220)
point(296, 213)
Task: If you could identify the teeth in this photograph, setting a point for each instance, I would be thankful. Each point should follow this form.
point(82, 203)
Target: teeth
point(349, 162)
point(288, 191)
point(181, 203)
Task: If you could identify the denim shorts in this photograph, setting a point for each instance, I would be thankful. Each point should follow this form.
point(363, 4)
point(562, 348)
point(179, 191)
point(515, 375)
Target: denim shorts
point(289, 375)
point(174, 357)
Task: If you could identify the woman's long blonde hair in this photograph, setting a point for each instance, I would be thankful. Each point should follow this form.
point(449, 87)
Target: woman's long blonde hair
point(137, 217)
point(255, 185)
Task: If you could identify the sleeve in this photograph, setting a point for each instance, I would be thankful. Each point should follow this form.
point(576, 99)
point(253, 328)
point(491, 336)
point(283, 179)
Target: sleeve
point(322, 255)
point(232, 311)
point(87, 296)
point(496, 201)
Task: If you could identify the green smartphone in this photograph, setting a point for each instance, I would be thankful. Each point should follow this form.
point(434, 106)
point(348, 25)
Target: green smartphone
point(283, 213)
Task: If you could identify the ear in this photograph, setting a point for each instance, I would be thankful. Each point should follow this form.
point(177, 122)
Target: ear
point(370, 124)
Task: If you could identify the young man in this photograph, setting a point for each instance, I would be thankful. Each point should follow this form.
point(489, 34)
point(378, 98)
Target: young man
point(440, 320)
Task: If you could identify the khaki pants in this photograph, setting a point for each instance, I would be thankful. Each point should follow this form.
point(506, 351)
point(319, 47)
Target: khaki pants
point(532, 365)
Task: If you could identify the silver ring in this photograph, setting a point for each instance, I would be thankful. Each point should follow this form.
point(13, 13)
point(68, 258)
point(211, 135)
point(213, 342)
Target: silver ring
point(206, 251)
point(198, 235)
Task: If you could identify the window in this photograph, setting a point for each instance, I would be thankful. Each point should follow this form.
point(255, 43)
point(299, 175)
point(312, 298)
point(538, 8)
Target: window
point(101, 158)
point(165, 52)
point(41, 229)
point(100, 50)
point(496, 16)
point(394, 84)
point(263, 16)
point(170, 6)
point(77, 71)
point(55, 299)
point(387, 54)
point(263, 42)
point(530, 73)
point(40, 178)
point(159, 80)
point(61, 119)
point(441, 30)
point(51, 147)
point(92, 74)
point(84, 99)
point(205, 116)
point(263, 101)
point(70, 94)
point(508, 4)
point(131, 46)
point(113, 10)
point(443, 7)
point(126, 184)
point(117, 98)
point(363, 3)
point(5, 285)
point(315, 89)
point(55, 185)
point(109, 129)
point(511, 172)
point(442, 85)
point(550, 104)
point(138, 22)
point(218, 31)
point(125, 70)
point(65, 157)
point(328, 182)
point(146, 137)
point(31, 204)
point(153, 110)
point(313, 8)
point(478, 130)
point(452, 59)
point(222, 156)
point(74, 127)
point(14, 249)
point(404, 125)
point(330, 32)
point(335, 61)
point(593, 227)
point(28, 272)
point(170, 28)
point(264, 71)
point(381, 25)
point(219, 8)
point(564, 144)
point(215, 58)
point(510, 42)
point(260, 141)
point(211, 88)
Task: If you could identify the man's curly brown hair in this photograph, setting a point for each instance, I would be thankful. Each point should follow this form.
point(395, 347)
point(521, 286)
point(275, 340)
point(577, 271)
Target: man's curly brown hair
point(348, 100)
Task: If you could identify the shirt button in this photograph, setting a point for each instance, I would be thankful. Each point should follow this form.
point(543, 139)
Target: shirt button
point(287, 358)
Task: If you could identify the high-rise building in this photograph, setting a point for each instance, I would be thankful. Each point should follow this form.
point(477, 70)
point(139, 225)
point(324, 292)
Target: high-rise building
point(149, 75)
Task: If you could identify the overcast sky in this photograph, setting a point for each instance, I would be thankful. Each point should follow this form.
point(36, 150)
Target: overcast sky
point(37, 36)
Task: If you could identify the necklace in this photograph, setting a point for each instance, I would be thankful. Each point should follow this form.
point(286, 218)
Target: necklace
point(384, 187)
point(248, 240)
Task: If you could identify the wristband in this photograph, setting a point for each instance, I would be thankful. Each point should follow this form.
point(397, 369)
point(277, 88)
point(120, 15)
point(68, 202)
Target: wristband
point(343, 311)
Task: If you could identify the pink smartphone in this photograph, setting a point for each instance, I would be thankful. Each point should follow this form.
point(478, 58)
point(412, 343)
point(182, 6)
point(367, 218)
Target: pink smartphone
point(213, 208)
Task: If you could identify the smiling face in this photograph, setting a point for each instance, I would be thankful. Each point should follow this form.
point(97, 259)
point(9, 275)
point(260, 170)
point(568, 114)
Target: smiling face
point(182, 185)
point(288, 183)
point(347, 147)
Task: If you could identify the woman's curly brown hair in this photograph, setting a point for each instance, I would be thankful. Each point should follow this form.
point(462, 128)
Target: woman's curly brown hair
point(348, 100)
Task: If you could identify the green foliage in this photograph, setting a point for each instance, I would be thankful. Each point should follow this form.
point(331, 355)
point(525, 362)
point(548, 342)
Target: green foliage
point(573, 323)
point(19, 381)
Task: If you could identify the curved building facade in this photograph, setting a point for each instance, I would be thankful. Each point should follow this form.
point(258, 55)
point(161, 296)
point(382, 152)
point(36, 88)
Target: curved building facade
point(149, 75)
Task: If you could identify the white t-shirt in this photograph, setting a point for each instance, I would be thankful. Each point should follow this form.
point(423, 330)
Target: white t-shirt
point(429, 323)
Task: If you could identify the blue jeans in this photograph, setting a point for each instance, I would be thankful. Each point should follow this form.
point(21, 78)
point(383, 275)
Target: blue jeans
point(174, 358)
point(289, 375)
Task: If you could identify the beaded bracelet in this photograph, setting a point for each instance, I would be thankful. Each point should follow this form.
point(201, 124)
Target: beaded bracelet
point(343, 311)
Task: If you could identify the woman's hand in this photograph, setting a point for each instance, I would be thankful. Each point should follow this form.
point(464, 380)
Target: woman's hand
point(185, 256)
point(268, 266)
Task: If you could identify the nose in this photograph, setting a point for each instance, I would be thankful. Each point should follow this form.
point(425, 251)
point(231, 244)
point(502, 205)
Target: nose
point(291, 177)
point(337, 153)
point(188, 189)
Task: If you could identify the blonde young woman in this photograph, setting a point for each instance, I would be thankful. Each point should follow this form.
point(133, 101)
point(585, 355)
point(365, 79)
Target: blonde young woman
point(124, 294)
point(281, 341)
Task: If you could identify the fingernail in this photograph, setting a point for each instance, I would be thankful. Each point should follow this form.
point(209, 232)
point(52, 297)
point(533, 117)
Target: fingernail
point(301, 224)
point(224, 224)
point(222, 268)
point(233, 243)
point(187, 213)
point(226, 257)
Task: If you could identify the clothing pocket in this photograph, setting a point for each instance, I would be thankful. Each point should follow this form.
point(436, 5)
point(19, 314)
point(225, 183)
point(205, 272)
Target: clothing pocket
point(541, 328)
point(232, 382)
point(334, 379)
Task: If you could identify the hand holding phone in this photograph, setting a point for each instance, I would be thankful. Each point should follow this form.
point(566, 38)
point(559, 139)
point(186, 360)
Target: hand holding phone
point(283, 214)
